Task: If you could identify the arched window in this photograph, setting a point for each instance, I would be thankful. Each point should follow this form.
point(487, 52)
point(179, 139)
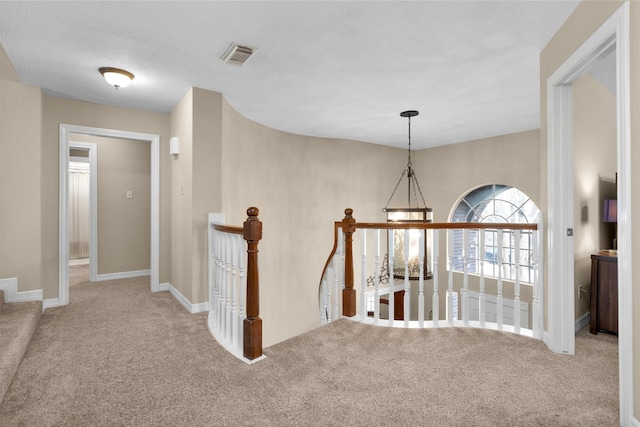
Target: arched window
point(495, 204)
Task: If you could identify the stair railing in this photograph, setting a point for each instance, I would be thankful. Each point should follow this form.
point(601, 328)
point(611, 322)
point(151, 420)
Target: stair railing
point(464, 307)
point(234, 292)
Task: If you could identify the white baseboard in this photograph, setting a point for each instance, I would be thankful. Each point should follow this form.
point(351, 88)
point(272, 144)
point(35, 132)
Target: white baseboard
point(161, 287)
point(634, 422)
point(50, 303)
point(122, 275)
point(11, 293)
point(583, 321)
point(191, 308)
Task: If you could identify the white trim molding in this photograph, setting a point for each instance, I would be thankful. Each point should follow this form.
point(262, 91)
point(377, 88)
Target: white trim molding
point(191, 308)
point(50, 303)
point(122, 275)
point(613, 33)
point(11, 293)
point(583, 321)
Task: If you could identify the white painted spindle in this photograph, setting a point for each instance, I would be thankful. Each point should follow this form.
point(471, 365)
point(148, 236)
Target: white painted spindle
point(450, 310)
point(235, 285)
point(335, 295)
point(465, 281)
point(376, 278)
point(516, 285)
point(481, 299)
point(363, 276)
point(436, 283)
point(421, 281)
point(407, 283)
point(500, 308)
point(536, 317)
point(390, 235)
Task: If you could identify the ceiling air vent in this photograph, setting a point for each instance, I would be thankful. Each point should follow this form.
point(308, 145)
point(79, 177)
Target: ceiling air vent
point(237, 55)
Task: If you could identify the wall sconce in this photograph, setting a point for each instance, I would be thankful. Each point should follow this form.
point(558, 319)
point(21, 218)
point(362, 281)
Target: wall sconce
point(116, 77)
point(174, 146)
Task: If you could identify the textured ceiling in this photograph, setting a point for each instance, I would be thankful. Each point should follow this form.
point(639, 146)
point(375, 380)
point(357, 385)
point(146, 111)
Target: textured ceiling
point(337, 69)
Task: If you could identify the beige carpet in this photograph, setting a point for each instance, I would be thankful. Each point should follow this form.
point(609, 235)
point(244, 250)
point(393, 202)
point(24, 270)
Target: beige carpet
point(119, 355)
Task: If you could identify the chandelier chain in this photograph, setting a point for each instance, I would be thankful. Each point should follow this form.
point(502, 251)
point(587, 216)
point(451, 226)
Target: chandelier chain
point(394, 191)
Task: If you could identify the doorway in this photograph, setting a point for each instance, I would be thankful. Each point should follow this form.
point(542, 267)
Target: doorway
point(83, 184)
point(63, 236)
point(560, 285)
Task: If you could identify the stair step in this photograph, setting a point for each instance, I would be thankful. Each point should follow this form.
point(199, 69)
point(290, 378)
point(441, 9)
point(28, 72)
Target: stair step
point(18, 321)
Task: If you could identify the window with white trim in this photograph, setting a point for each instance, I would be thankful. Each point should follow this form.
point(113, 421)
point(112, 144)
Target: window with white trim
point(495, 204)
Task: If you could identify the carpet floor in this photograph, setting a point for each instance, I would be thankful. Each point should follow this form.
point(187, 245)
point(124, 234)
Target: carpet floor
point(120, 355)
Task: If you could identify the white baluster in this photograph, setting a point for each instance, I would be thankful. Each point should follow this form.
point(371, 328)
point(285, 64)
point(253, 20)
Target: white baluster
point(535, 314)
point(223, 282)
point(465, 281)
point(363, 277)
point(228, 303)
point(218, 280)
point(450, 310)
point(407, 283)
point(500, 308)
point(481, 299)
point(421, 280)
point(516, 285)
point(436, 283)
point(323, 301)
point(335, 294)
point(234, 291)
point(242, 313)
point(376, 278)
point(390, 235)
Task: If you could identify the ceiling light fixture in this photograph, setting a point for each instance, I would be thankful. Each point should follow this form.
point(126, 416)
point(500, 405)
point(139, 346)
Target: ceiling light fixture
point(409, 214)
point(116, 77)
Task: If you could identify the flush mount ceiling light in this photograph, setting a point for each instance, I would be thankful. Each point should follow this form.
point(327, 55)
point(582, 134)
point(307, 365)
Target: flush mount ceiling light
point(116, 77)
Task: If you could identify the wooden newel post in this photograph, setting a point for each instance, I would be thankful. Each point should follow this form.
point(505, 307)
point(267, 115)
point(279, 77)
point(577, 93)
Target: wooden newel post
point(348, 293)
point(253, 323)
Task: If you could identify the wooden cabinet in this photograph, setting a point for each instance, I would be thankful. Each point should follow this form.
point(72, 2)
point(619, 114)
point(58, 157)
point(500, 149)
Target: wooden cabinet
point(604, 292)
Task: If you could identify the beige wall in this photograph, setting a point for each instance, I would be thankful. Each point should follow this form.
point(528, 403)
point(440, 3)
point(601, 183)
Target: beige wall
point(124, 225)
point(20, 179)
point(196, 183)
point(207, 182)
point(57, 111)
point(181, 196)
point(301, 186)
point(594, 155)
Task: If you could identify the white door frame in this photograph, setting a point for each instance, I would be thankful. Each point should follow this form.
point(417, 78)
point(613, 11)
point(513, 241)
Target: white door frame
point(63, 236)
point(92, 149)
point(561, 321)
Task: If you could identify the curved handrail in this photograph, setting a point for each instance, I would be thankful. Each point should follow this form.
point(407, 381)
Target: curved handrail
point(336, 225)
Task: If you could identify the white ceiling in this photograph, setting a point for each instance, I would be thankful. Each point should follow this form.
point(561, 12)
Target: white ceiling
point(340, 69)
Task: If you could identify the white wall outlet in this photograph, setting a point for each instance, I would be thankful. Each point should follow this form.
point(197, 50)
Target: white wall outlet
point(129, 194)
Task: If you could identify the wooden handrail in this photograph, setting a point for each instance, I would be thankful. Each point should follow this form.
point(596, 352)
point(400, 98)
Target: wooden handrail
point(228, 229)
point(252, 233)
point(442, 225)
